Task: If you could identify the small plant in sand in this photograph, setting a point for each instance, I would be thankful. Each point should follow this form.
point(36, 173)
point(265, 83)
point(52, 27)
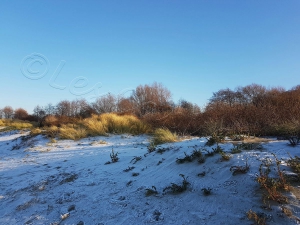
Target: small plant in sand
point(294, 140)
point(236, 149)
point(250, 146)
point(196, 154)
point(271, 185)
point(294, 163)
point(258, 219)
point(178, 188)
point(225, 157)
point(209, 153)
point(240, 169)
point(114, 157)
point(214, 139)
point(151, 147)
point(237, 137)
point(136, 159)
point(151, 191)
point(129, 169)
point(218, 149)
point(101, 142)
point(52, 141)
point(187, 158)
point(206, 191)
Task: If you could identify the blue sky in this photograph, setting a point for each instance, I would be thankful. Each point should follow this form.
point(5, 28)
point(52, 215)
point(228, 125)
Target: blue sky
point(194, 48)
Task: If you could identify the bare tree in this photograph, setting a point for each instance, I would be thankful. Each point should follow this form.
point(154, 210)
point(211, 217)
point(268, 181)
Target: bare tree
point(63, 108)
point(125, 105)
point(39, 113)
point(105, 104)
point(150, 99)
point(49, 109)
point(8, 112)
point(21, 114)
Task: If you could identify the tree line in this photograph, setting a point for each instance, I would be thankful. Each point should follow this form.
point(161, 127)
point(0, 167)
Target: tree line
point(252, 109)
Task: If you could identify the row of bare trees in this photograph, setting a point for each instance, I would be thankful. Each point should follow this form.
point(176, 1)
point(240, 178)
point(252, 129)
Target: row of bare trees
point(9, 113)
point(252, 109)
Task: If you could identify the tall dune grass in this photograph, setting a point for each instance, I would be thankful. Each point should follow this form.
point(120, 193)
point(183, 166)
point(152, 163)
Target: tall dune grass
point(163, 135)
point(16, 124)
point(73, 132)
point(103, 125)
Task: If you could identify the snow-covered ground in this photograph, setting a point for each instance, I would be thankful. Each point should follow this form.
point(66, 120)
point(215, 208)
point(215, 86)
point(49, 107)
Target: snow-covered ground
point(67, 182)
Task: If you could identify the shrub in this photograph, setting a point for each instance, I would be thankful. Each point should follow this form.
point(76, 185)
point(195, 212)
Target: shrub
point(151, 147)
point(214, 140)
point(294, 163)
point(151, 191)
point(136, 159)
point(52, 131)
point(163, 136)
point(272, 186)
point(36, 131)
point(237, 137)
point(294, 140)
point(240, 169)
point(250, 146)
point(236, 149)
point(225, 157)
point(129, 168)
point(206, 191)
point(175, 188)
point(114, 156)
point(52, 140)
point(218, 149)
point(258, 219)
point(196, 154)
point(187, 158)
point(50, 120)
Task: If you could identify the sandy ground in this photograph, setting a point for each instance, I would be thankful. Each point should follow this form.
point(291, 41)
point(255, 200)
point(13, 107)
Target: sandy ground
point(67, 182)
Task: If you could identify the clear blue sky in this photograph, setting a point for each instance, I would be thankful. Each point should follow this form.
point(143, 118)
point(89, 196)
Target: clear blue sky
point(194, 48)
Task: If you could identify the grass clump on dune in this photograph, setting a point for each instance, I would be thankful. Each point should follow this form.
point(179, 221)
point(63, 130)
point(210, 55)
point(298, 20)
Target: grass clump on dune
point(95, 126)
point(101, 125)
point(73, 132)
point(16, 124)
point(113, 123)
point(163, 135)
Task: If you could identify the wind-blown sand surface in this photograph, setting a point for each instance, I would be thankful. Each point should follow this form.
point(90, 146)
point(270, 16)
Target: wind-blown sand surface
point(67, 182)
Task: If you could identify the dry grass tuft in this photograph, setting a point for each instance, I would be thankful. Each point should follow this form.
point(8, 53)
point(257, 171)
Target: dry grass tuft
point(16, 124)
point(258, 219)
point(162, 135)
point(113, 123)
point(73, 132)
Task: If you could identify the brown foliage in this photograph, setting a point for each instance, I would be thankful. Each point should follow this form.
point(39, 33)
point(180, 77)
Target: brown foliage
point(21, 114)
